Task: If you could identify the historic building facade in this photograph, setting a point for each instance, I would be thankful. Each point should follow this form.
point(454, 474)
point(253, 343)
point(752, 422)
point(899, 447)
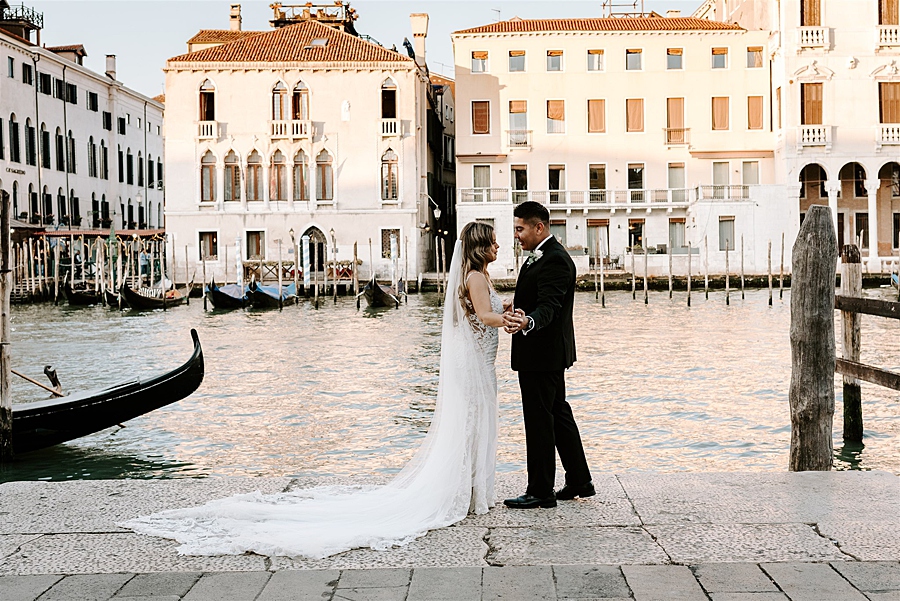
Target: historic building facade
point(647, 132)
point(78, 149)
point(308, 129)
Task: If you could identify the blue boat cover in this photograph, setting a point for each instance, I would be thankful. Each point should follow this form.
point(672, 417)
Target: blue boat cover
point(289, 290)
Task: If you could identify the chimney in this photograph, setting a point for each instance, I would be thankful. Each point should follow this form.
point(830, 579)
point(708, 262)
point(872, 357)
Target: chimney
point(235, 17)
point(673, 14)
point(111, 66)
point(419, 24)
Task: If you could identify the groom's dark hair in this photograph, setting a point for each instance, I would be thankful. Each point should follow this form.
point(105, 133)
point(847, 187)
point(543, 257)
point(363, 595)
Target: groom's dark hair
point(532, 212)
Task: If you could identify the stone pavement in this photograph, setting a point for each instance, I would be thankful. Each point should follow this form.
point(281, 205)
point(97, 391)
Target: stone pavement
point(727, 537)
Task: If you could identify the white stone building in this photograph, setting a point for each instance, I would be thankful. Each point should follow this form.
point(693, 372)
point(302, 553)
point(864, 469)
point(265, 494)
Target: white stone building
point(836, 76)
point(308, 129)
point(78, 149)
point(636, 132)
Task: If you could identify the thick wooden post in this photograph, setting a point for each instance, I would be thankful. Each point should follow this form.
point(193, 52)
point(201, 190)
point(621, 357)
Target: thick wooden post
point(670, 273)
point(6, 447)
point(781, 271)
point(727, 275)
point(56, 272)
point(770, 272)
point(633, 277)
point(602, 285)
point(812, 342)
point(596, 267)
point(706, 267)
point(851, 285)
point(689, 274)
point(646, 295)
point(742, 266)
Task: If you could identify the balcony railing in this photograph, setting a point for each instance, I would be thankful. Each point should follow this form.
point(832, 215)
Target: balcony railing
point(519, 138)
point(677, 137)
point(814, 135)
point(724, 192)
point(888, 36)
point(208, 130)
point(669, 197)
point(294, 130)
point(888, 135)
point(484, 195)
point(390, 128)
point(814, 37)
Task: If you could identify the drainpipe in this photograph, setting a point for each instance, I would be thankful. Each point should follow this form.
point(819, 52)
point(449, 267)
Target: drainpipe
point(146, 174)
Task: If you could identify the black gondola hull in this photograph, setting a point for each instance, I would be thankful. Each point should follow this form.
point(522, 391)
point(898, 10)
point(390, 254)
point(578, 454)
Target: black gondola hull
point(136, 300)
point(220, 299)
point(46, 423)
point(378, 295)
point(80, 298)
point(260, 299)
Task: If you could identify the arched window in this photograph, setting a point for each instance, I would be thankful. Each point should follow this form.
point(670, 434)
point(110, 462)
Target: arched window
point(300, 104)
point(279, 102)
point(70, 156)
point(278, 177)
point(301, 176)
point(14, 150)
point(95, 211)
point(105, 221)
point(254, 177)
point(324, 177)
point(61, 207)
point(131, 223)
point(140, 165)
point(129, 167)
point(76, 208)
point(92, 157)
point(15, 197)
point(208, 177)
point(47, 201)
point(151, 183)
point(388, 99)
point(30, 143)
point(60, 151)
point(207, 101)
point(389, 182)
point(35, 205)
point(104, 160)
point(159, 216)
point(232, 177)
point(45, 147)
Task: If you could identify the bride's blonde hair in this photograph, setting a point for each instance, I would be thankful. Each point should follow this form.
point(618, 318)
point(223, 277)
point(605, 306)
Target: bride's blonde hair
point(476, 240)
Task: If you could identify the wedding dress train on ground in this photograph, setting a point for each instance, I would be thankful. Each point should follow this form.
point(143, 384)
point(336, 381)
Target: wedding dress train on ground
point(451, 474)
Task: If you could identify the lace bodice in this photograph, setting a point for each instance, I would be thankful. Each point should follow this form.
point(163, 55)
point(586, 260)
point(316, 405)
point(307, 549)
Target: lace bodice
point(486, 337)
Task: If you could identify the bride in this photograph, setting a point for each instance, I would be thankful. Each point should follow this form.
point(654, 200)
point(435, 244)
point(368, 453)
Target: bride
point(450, 475)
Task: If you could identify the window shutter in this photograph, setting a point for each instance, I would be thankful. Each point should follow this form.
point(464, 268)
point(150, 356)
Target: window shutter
point(754, 112)
point(675, 51)
point(720, 113)
point(480, 55)
point(811, 103)
point(598, 222)
point(518, 106)
point(481, 117)
point(517, 53)
point(554, 53)
point(889, 100)
point(596, 116)
point(810, 13)
point(556, 110)
point(720, 50)
point(634, 114)
point(675, 113)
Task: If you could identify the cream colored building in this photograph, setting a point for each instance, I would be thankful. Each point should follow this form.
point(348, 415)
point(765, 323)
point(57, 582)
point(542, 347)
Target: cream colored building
point(651, 132)
point(836, 77)
point(308, 129)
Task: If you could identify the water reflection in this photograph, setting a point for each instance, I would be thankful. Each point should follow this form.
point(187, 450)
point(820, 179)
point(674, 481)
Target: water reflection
point(336, 391)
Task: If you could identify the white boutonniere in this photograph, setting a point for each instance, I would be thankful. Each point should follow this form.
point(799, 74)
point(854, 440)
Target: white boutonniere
point(534, 256)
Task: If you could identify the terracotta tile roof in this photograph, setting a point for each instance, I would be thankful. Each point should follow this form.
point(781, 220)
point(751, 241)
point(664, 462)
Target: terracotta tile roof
point(160, 98)
point(79, 48)
point(604, 24)
point(293, 44)
point(440, 80)
point(220, 36)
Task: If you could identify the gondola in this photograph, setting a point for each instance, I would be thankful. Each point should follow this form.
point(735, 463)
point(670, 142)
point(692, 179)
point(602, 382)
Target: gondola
point(45, 423)
point(379, 295)
point(81, 297)
point(112, 297)
point(266, 297)
point(229, 296)
point(153, 298)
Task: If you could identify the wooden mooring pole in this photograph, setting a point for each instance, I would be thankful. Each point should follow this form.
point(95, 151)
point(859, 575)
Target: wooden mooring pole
point(689, 274)
point(670, 273)
point(646, 294)
point(812, 342)
point(633, 277)
point(742, 266)
point(706, 267)
point(851, 285)
point(781, 271)
point(6, 416)
point(770, 272)
point(597, 267)
point(727, 274)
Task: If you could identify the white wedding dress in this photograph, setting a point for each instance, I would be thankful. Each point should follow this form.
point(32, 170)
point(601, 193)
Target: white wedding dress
point(450, 475)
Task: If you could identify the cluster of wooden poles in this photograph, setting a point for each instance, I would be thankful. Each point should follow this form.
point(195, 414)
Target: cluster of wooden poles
point(38, 269)
point(599, 273)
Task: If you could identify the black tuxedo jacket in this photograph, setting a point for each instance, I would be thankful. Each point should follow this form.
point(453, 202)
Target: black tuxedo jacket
point(546, 292)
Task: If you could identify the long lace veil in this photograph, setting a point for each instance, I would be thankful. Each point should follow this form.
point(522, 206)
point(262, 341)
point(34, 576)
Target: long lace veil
point(451, 473)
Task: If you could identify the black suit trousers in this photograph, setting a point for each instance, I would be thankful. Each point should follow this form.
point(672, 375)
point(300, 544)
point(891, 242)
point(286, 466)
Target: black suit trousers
point(550, 428)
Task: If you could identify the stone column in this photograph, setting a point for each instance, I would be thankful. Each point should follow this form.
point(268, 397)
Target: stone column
point(874, 262)
point(833, 189)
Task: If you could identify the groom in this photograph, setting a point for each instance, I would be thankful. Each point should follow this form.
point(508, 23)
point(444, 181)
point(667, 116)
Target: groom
point(543, 347)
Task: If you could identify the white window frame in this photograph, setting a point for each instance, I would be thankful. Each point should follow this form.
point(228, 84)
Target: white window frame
point(682, 67)
point(197, 237)
point(486, 62)
point(641, 53)
point(602, 60)
point(564, 121)
point(562, 60)
point(727, 56)
point(265, 248)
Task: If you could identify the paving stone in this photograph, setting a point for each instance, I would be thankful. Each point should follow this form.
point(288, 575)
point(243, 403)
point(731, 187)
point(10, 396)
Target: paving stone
point(445, 584)
point(874, 576)
point(160, 584)
point(733, 578)
point(25, 588)
point(150, 598)
point(293, 585)
point(111, 553)
point(887, 596)
point(457, 546)
point(699, 543)
point(762, 498)
point(663, 583)
point(10, 543)
point(518, 583)
point(811, 582)
point(229, 585)
point(866, 541)
point(589, 582)
point(373, 578)
point(370, 594)
point(86, 587)
point(59, 507)
point(592, 545)
point(748, 597)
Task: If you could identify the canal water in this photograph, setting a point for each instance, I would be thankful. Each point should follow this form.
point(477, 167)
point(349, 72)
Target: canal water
point(337, 391)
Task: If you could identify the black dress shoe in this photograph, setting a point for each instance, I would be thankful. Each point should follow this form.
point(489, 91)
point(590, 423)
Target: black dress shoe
point(568, 492)
point(527, 501)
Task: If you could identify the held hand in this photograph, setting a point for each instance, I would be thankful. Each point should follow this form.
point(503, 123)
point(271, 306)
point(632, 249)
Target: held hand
point(515, 322)
point(507, 305)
